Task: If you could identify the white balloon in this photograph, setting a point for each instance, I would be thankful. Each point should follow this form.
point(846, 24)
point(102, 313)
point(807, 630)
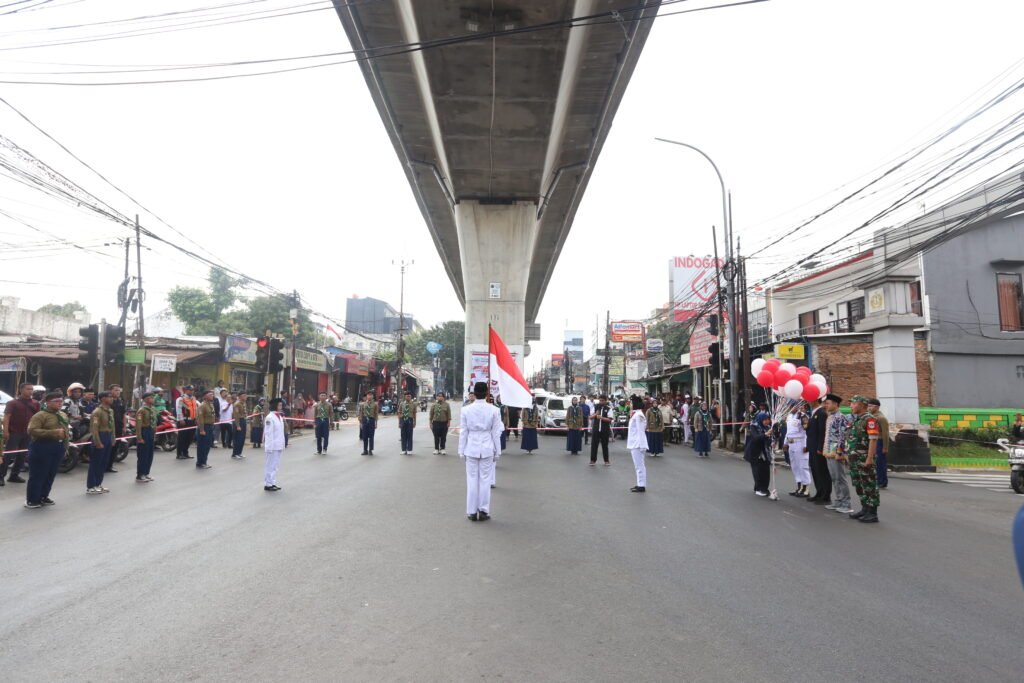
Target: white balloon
point(823, 386)
point(793, 389)
point(756, 366)
point(818, 379)
point(788, 367)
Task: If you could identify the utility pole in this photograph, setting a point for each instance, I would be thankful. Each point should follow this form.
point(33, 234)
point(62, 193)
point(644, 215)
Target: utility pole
point(718, 296)
point(730, 284)
point(607, 350)
point(402, 265)
point(101, 374)
point(141, 327)
point(294, 314)
point(748, 388)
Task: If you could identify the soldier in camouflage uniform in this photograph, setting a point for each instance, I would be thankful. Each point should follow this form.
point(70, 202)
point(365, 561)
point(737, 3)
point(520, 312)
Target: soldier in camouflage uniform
point(860, 450)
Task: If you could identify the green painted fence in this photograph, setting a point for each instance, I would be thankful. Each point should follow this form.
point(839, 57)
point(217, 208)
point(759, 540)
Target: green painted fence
point(969, 418)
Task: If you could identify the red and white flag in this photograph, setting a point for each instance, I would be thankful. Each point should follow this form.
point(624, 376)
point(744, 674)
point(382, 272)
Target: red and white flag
point(512, 386)
point(333, 331)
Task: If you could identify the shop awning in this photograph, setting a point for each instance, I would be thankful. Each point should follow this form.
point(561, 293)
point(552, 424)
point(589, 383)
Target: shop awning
point(186, 355)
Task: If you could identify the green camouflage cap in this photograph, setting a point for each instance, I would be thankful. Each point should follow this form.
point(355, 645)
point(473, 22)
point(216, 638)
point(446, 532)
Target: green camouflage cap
point(859, 399)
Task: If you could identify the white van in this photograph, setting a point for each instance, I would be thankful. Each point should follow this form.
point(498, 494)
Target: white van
point(555, 410)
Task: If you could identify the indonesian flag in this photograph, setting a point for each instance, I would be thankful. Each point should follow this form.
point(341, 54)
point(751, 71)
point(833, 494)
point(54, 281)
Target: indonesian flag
point(333, 331)
point(512, 386)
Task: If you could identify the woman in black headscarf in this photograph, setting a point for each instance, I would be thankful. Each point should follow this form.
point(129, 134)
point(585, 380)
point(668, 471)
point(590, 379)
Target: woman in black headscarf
point(758, 452)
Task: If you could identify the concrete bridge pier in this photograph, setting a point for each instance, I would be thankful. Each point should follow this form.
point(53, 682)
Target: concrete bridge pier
point(496, 246)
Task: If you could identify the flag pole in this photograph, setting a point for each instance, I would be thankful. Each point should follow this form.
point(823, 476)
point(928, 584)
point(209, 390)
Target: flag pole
point(489, 368)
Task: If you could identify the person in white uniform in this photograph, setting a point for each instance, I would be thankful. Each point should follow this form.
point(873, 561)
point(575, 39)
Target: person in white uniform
point(273, 444)
point(796, 445)
point(685, 411)
point(480, 429)
point(636, 442)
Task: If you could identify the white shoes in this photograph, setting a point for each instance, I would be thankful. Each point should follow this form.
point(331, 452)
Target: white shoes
point(93, 491)
point(444, 452)
point(844, 511)
point(437, 452)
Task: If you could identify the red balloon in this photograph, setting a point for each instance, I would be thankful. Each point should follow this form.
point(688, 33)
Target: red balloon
point(812, 392)
point(802, 370)
point(781, 377)
point(772, 364)
point(765, 379)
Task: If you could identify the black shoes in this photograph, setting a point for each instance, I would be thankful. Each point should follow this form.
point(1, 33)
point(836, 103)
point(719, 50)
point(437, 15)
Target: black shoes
point(111, 471)
point(47, 501)
point(364, 453)
point(869, 516)
point(275, 487)
point(473, 517)
point(15, 479)
point(638, 489)
point(823, 501)
point(482, 516)
point(858, 515)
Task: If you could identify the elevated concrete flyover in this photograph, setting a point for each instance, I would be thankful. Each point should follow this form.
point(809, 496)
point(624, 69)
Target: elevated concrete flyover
point(498, 111)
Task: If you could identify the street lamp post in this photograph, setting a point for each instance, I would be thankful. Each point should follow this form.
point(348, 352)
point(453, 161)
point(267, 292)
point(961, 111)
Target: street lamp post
point(729, 300)
point(402, 265)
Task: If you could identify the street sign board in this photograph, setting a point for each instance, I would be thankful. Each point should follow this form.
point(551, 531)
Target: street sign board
point(164, 363)
point(628, 332)
point(693, 283)
point(791, 351)
point(135, 356)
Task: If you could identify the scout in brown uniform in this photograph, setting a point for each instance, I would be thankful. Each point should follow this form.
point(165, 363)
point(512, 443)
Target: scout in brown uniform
point(238, 424)
point(206, 424)
point(322, 415)
point(145, 425)
point(49, 430)
point(101, 428)
point(407, 422)
point(368, 422)
point(440, 421)
point(655, 430)
point(575, 423)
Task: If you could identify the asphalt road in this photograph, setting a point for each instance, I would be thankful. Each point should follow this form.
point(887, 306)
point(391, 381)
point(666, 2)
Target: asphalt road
point(366, 569)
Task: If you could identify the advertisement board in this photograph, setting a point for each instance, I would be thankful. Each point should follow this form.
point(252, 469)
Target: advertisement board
point(700, 340)
point(628, 332)
point(692, 284)
point(479, 370)
point(238, 349)
point(573, 345)
point(655, 346)
point(557, 360)
point(164, 363)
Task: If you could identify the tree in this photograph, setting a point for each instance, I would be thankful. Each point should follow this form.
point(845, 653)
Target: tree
point(222, 311)
point(452, 336)
point(676, 337)
point(67, 310)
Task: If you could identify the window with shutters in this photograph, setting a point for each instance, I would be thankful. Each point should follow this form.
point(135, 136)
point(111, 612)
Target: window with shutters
point(1011, 302)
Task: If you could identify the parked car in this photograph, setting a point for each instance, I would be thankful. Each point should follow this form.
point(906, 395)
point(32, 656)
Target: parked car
point(555, 410)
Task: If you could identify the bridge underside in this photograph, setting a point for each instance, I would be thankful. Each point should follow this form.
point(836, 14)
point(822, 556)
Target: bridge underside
point(498, 111)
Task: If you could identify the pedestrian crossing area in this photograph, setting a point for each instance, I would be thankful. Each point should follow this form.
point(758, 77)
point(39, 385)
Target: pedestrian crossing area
point(991, 481)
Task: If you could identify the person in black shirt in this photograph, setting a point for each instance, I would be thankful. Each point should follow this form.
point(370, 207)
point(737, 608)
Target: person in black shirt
point(601, 429)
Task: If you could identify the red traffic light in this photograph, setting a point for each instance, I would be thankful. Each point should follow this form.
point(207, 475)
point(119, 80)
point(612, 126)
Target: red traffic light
point(262, 343)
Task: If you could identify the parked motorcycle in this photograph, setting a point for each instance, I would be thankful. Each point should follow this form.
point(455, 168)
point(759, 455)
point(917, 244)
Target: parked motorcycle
point(387, 407)
point(340, 412)
point(166, 438)
point(79, 446)
point(1015, 455)
point(423, 404)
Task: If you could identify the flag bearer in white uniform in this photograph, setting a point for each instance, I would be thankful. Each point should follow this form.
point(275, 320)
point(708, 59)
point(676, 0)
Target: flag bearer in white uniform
point(480, 429)
point(636, 442)
point(796, 445)
point(273, 444)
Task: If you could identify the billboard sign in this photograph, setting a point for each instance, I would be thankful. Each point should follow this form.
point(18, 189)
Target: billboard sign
point(239, 349)
point(655, 346)
point(627, 332)
point(692, 284)
point(700, 340)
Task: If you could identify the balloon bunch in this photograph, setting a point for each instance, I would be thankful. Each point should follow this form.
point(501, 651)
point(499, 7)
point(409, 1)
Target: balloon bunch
point(788, 380)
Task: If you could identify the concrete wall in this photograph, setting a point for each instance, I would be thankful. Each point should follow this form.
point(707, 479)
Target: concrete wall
point(976, 364)
point(848, 363)
point(21, 322)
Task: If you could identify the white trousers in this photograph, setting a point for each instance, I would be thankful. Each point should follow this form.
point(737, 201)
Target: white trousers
point(687, 432)
point(270, 469)
point(494, 473)
point(478, 484)
point(640, 465)
point(799, 460)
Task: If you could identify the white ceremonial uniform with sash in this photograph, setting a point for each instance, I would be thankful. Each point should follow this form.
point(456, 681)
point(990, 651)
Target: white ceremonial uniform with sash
point(480, 445)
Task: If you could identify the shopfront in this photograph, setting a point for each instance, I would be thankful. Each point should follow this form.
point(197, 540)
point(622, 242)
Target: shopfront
point(311, 376)
point(239, 372)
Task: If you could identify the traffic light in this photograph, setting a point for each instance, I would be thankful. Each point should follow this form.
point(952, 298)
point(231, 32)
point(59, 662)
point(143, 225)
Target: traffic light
point(89, 345)
point(262, 354)
point(713, 351)
point(113, 344)
point(276, 355)
point(713, 324)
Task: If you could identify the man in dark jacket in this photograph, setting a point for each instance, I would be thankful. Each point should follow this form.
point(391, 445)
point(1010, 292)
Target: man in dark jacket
point(815, 449)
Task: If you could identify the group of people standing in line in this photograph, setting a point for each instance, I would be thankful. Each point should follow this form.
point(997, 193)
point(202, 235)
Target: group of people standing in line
point(823, 446)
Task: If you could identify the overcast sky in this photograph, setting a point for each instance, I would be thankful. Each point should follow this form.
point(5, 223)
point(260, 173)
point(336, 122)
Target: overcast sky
point(291, 178)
